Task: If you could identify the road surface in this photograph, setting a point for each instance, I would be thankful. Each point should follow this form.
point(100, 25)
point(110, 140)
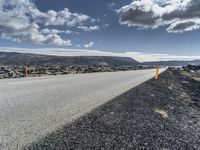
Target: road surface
point(31, 108)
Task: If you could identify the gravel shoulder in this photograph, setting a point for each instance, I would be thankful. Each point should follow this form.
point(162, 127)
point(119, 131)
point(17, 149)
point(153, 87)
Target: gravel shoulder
point(163, 114)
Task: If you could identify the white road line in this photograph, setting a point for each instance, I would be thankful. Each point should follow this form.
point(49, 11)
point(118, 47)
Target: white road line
point(24, 82)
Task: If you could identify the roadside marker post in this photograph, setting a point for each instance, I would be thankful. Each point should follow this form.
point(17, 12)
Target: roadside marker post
point(26, 71)
point(157, 72)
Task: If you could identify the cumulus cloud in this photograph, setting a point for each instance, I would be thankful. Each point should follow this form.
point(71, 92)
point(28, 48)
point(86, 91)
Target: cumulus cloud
point(64, 17)
point(178, 15)
point(89, 45)
point(21, 20)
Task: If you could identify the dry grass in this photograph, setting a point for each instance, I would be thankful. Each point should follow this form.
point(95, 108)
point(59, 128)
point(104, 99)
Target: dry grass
point(171, 86)
point(197, 78)
point(162, 113)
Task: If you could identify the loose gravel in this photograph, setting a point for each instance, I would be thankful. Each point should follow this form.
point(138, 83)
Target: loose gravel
point(161, 114)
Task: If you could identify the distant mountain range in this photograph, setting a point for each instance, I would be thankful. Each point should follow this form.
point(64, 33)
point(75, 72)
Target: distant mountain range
point(11, 58)
point(173, 63)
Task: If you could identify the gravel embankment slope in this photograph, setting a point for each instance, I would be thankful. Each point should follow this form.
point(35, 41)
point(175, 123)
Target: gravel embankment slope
point(161, 114)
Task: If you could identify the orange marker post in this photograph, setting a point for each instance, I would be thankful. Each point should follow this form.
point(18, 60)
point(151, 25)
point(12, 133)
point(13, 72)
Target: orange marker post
point(157, 72)
point(26, 71)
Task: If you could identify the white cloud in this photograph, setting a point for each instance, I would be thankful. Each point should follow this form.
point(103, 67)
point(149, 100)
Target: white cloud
point(179, 15)
point(89, 45)
point(111, 5)
point(20, 20)
point(54, 31)
point(141, 57)
point(64, 17)
point(90, 28)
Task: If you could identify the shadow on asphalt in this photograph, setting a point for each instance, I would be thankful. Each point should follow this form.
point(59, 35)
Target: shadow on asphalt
point(155, 115)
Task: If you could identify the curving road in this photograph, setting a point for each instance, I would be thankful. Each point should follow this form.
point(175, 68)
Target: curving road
point(31, 108)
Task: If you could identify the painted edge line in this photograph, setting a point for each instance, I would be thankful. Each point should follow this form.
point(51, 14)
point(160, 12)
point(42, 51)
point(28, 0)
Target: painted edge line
point(24, 82)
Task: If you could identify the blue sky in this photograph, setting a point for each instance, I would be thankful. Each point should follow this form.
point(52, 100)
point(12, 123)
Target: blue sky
point(146, 26)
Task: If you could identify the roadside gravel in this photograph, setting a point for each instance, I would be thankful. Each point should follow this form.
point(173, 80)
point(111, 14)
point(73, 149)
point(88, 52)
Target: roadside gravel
point(161, 114)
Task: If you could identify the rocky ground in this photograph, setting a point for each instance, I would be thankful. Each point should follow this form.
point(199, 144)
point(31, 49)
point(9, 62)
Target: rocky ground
point(17, 71)
point(163, 114)
point(193, 71)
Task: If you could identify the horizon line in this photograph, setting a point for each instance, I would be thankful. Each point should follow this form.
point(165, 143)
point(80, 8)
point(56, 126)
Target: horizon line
point(138, 56)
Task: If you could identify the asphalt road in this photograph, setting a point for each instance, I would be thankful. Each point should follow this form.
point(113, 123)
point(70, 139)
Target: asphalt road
point(31, 108)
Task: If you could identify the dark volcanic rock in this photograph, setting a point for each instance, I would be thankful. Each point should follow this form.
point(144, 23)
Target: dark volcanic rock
point(12, 65)
point(155, 115)
point(16, 71)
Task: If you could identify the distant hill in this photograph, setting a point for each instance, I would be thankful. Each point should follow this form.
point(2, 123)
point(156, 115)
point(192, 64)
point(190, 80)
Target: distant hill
point(173, 63)
point(11, 58)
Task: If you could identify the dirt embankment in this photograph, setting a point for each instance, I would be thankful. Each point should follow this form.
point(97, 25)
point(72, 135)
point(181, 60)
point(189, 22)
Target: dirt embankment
point(163, 114)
